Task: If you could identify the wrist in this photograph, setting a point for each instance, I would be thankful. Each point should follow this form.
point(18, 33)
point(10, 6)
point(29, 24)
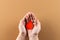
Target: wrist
point(33, 37)
point(21, 37)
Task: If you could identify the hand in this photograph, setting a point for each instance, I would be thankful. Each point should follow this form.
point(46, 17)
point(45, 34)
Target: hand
point(33, 34)
point(22, 29)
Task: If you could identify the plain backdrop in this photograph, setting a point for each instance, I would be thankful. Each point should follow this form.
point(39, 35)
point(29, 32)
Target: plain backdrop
point(47, 11)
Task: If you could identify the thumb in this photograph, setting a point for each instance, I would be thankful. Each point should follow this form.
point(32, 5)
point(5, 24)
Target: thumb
point(37, 28)
point(21, 26)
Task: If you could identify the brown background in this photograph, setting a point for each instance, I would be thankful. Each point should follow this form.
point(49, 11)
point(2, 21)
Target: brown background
point(47, 11)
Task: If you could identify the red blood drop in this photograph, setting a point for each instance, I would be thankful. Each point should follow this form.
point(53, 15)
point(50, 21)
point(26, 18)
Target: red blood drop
point(29, 25)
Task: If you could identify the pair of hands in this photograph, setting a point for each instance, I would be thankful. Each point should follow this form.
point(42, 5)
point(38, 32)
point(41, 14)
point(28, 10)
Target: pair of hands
point(23, 31)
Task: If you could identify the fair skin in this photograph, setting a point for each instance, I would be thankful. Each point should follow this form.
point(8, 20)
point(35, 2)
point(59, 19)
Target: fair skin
point(32, 34)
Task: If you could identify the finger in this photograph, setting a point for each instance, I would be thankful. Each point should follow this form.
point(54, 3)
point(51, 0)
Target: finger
point(27, 16)
point(33, 16)
point(35, 22)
